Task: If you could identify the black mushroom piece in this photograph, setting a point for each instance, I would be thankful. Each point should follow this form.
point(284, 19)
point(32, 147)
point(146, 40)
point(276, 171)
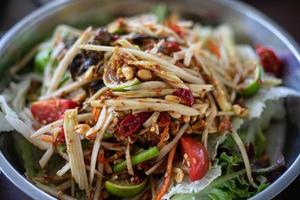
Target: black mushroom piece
point(82, 62)
point(102, 37)
point(96, 85)
point(85, 59)
point(144, 41)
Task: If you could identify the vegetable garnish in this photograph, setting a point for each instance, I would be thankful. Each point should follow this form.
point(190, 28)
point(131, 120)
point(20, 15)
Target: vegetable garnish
point(110, 105)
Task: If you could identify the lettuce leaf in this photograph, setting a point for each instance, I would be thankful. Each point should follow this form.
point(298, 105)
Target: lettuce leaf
point(30, 155)
point(257, 104)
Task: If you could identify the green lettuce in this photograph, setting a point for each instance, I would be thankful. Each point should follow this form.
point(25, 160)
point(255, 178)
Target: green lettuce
point(29, 155)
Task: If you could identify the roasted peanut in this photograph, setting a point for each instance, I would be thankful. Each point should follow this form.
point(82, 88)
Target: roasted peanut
point(144, 74)
point(128, 72)
point(178, 174)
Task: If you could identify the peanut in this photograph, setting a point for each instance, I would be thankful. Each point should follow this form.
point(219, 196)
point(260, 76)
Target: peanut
point(144, 74)
point(128, 72)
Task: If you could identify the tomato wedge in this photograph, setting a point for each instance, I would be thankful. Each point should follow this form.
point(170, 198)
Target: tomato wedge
point(269, 60)
point(47, 111)
point(197, 157)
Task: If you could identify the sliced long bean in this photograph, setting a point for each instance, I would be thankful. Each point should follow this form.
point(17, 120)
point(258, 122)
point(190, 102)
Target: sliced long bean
point(138, 158)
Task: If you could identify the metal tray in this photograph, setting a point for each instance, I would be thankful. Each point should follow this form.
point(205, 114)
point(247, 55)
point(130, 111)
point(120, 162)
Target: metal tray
point(251, 26)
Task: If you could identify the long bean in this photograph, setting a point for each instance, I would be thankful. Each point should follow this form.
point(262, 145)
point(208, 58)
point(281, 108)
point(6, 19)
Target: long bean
point(138, 158)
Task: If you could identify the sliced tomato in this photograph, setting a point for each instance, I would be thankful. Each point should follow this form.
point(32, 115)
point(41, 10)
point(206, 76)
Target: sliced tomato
point(47, 111)
point(131, 123)
point(197, 157)
point(269, 60)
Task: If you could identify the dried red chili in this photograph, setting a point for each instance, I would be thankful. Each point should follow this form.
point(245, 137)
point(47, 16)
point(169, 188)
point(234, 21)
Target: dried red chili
point(131, 123)
point(185, 95)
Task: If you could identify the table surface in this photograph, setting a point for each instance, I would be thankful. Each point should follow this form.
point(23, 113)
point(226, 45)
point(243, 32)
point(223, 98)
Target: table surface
point(284, 12)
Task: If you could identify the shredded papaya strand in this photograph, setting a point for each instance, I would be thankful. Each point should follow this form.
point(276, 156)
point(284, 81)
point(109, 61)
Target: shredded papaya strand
point(168, 175)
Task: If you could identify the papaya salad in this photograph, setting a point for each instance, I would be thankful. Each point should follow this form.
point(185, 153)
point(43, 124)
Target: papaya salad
point(147, 107)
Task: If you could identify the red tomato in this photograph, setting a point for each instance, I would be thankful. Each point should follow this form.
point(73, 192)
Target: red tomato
point(131, 123)
point(47, 111)
point(269, 60)
point(186, 96)
point(197, 157)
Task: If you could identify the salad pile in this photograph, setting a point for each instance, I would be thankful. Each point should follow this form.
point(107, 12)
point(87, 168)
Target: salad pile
point(147, 107)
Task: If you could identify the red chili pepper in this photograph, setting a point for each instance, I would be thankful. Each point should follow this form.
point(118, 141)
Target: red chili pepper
point(168, 48)
point(131, 123)
point(163, 119)
point(47, 111)
point(61, 136)
point(269, 60)
point(186, 96)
